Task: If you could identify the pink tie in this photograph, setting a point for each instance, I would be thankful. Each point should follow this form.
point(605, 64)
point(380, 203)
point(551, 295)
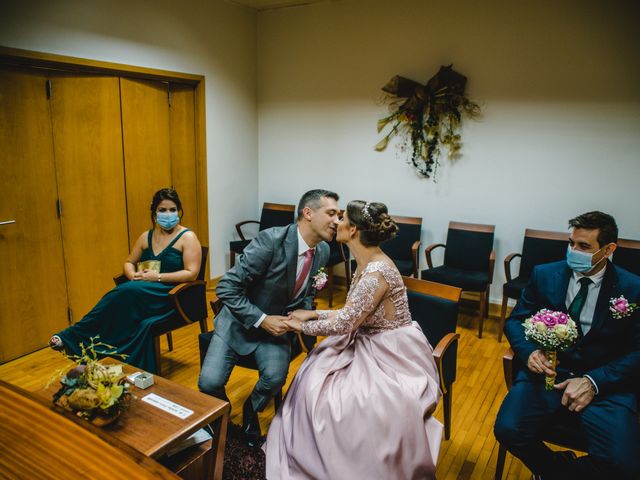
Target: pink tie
point(306, 266)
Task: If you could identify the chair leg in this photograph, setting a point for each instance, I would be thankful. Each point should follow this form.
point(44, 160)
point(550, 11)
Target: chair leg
point(503, 315)
point(486, 303)
point(502, 455)
point(204, 327)
point(156, 351)
point(277, 400)
point(483, 301)
point(446, 398)
point(170, 341)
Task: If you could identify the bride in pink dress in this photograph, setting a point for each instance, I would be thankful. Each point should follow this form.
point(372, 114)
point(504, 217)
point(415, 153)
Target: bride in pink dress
point(361, 404)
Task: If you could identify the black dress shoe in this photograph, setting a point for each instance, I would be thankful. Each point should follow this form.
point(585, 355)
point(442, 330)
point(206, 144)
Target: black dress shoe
point(563, 456)
point(250, 425)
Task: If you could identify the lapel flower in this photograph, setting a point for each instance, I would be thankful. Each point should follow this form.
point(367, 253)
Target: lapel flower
point(621, 308)
point(320, 279)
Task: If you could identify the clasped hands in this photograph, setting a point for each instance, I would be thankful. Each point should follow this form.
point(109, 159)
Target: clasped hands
point(280, 324)
point(578, 392)
point(147, 275)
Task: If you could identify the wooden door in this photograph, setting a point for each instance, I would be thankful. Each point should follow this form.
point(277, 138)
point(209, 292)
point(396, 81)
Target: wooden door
point(85, 113)
point(183, 152)
point(33, 302)
point(147, 153)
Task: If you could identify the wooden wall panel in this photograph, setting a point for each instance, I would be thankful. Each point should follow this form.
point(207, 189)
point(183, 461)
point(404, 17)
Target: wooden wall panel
point(85, 112)
point(147, 151)
point(183, 153)
point(34, 298)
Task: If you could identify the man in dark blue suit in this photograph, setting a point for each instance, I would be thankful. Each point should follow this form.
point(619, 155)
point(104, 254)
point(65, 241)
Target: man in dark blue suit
point(596, 379)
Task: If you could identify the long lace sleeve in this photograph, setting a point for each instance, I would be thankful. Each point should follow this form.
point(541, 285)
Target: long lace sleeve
point(364, 299)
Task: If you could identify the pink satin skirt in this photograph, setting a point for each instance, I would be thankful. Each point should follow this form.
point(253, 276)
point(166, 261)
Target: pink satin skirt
point(360, 407)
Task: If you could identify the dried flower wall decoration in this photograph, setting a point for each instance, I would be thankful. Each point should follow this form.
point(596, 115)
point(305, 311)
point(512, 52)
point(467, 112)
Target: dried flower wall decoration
point(427, 117)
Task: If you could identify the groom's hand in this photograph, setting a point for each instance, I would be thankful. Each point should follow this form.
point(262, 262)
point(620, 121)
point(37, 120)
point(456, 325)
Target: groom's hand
point(538, 363)
point(274, 324)
point(578, 393)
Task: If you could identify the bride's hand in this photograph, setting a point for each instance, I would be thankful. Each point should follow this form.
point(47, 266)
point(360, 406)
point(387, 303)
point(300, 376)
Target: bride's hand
point(303, 315)
point(293, 324)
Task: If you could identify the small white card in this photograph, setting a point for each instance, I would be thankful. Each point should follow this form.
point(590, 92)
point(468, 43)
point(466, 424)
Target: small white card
point(167, 405)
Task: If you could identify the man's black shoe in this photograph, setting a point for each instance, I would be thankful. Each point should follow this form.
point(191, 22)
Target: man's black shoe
point(250, 425)
point(562, 456)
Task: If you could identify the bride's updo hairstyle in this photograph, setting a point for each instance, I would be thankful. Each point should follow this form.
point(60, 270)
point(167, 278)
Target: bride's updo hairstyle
point(373, 221)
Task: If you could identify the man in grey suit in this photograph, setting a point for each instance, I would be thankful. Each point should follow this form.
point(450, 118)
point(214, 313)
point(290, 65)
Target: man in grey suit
point(272, 277)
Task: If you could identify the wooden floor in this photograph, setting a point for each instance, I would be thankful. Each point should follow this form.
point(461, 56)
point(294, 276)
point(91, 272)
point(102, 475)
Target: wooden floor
point(470, 453)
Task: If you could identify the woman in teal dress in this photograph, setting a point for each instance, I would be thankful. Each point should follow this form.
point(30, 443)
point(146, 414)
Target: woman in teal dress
point(124, 316)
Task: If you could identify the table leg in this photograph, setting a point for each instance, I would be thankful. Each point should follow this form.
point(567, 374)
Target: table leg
point(219, 426)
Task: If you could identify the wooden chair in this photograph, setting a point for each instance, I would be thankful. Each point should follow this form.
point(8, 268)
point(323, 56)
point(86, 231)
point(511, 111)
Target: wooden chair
point(338, 253)
point(435, 307)
point(273, 215)
point(403, 248)
point(539, 247)
point(302, 343)
point(190, 301)
point(468, 262)
point(627, 255)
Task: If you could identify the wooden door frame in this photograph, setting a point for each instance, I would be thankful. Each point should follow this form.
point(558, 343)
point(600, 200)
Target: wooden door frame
point(27, 58)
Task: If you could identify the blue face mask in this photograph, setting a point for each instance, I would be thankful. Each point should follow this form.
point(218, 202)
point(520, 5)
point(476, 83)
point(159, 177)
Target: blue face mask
point(167, 220)
point(581, 261)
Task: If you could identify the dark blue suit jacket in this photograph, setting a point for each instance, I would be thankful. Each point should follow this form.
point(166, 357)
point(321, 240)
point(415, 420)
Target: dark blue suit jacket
point(610, 352)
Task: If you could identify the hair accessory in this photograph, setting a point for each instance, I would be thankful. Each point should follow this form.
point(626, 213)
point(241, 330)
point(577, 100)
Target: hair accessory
point(365, 212)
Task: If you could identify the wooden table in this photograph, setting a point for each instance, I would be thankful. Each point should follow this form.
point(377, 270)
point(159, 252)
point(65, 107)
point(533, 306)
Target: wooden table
point(153, 431)
point(37, 442)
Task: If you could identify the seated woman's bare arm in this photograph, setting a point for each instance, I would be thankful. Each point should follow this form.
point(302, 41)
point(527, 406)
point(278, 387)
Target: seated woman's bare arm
point(129, 268)
point(191, 258)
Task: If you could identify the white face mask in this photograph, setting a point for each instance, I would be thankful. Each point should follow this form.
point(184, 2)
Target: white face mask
point(167, 220)
point(581, 261)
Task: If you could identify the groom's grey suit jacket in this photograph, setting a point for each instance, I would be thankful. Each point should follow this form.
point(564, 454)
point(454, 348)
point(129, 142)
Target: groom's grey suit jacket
point(262, 281)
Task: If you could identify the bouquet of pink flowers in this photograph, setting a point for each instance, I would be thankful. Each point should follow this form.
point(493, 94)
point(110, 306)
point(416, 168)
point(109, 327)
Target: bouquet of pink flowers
point(554, 332)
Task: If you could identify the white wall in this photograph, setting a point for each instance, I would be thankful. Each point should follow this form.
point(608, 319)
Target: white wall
point(207, 37)
point(559, 83)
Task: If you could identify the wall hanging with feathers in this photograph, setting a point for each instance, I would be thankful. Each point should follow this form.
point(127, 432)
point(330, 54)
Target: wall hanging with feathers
point(427, 117)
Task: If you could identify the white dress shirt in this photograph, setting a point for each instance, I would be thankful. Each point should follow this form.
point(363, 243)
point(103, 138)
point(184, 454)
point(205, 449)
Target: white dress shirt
point(589, 307)
point(302, 249)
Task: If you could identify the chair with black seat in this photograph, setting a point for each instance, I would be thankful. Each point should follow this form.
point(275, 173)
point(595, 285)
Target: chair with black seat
point(468, 262)
point(539, 247)
point(301, 343)
point(627, 255)
point(403, 248)
point(338, 253)
point(190, 302)
point(434, 307)
point(273, 215)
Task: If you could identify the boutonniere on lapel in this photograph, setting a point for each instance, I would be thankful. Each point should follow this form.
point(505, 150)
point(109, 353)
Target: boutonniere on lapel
point(320, 279)
point(621, 308)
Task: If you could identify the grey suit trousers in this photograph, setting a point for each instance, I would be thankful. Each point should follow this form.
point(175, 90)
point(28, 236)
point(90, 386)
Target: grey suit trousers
point(273, 365)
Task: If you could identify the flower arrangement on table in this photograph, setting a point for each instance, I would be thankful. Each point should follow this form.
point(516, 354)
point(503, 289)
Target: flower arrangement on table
point(428, 117)
point(92, 390)
point(553, 332)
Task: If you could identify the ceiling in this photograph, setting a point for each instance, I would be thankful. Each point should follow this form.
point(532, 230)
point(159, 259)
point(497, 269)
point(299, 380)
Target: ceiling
point(274, 4)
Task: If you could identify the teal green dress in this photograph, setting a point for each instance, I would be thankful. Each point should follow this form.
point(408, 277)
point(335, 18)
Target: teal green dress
point(124, 316)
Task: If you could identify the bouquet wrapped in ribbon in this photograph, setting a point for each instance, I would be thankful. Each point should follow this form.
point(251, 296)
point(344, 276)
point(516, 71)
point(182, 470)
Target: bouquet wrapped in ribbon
point(554, 332)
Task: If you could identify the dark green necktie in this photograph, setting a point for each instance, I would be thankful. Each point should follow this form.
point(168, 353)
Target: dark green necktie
point(578, 302)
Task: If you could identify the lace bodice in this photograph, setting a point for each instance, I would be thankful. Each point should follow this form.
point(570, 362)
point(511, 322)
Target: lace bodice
point(377, 301)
